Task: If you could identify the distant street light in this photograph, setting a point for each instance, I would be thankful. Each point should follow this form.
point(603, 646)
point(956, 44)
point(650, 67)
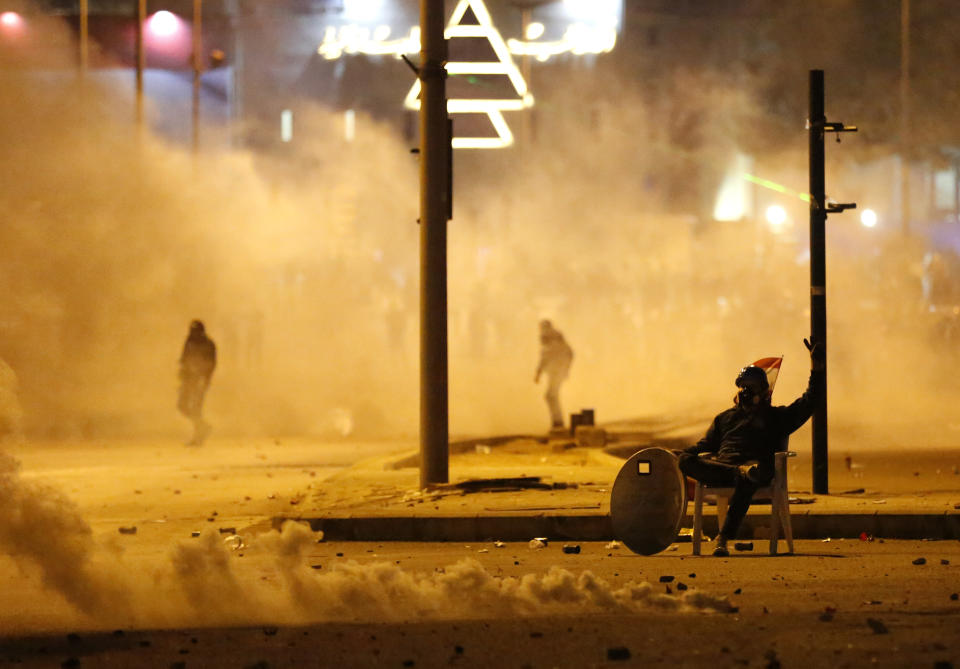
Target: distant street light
point(164, 24)
point(776, 215)
point(868, 218)
point(11, 20)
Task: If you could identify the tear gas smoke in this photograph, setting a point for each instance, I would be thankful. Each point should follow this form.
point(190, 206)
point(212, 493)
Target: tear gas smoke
point(304, 267)
point(200, 585)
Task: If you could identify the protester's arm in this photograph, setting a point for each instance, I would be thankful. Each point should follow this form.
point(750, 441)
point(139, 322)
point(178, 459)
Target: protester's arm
point(540, 366)
point(802, 408)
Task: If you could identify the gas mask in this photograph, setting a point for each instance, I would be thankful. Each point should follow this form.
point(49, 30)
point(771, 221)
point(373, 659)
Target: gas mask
point(753, 389)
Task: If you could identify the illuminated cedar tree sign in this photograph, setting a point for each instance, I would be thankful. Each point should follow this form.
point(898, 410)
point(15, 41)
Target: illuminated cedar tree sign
point(461, 27)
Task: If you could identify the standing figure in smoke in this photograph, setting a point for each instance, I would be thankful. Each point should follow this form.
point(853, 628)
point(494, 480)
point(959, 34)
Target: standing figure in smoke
point(749, 432)
point(555, 358)
point(197, 362)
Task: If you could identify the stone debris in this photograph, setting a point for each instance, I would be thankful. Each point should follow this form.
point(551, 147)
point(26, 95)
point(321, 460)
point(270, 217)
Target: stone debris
point(920, 560)
point(618, 654)
point(571, 549)
point(234, 542)
point(499, 544)
point(537, 544)
point(613, 545)
point(877, 626)
point(666, 579)
point(127, 530)
point(828, 614)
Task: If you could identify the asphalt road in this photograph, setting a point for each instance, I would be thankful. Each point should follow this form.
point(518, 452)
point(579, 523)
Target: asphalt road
point(78, 592)
point(836, 604)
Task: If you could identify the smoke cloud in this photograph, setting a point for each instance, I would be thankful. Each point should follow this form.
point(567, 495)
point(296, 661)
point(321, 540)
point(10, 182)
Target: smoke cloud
point(304, 265)
point(200, 584)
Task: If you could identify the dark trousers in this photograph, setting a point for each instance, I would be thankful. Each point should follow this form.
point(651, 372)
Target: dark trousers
point(722, 475)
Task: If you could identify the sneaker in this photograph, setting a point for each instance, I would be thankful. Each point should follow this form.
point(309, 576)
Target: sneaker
point(721, 551)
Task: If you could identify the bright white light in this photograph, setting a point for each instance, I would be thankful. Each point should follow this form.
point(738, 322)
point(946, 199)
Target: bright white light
point(868, 218)
point(596, 11)
point(10, 20)
point(734, 200)
point(164, 24)
point(286, 125)
point(349, 125)
point(776, 215)
point(362, 11)
point(535, 30)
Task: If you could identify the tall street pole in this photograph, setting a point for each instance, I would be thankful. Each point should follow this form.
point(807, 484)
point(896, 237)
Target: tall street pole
point(818, 281)
point(905, 116)
point(141, 60)
point(818, 125)
point(434, 211)
point(197, 68)
point(84, 37)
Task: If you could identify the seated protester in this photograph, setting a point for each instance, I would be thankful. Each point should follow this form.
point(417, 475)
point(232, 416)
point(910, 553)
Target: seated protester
point(749, 432)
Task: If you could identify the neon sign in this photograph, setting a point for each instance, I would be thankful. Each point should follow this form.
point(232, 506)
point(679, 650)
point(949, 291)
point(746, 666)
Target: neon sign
point(504, 65)
point(353, 39)
point(591, 28)
point(579, 39)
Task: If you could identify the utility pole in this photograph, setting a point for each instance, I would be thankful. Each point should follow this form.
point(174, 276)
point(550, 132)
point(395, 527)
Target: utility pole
point(817, 126)
point(84, 37)
point(905, 116)
point(141, 60)
point(435, 200)
point(197, 68)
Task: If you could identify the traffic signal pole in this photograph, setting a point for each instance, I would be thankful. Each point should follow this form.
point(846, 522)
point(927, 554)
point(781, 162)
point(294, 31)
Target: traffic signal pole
point(435, 208)
point(817, 126)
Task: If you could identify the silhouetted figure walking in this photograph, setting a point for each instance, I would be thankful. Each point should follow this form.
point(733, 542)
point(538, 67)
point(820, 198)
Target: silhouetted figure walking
point(197, 362)
point(555, 359)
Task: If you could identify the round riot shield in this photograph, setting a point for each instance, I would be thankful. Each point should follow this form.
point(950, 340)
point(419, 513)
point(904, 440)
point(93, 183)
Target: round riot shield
point(648, 501)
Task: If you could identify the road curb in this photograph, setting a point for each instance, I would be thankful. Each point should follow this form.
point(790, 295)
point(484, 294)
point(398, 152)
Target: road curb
point(598, 527)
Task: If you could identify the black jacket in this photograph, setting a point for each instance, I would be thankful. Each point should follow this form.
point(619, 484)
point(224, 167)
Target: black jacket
point(737, 437)
point(199, 357)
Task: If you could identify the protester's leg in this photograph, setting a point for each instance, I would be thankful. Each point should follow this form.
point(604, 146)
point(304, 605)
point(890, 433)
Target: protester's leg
point(709, 472)
point(553, 401)
point(721, 475)
point(739, 504)
point(201, 427)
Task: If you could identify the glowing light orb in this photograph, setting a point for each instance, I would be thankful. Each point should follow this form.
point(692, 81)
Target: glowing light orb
point(776, 215)
point(362, 11)
point(10, 20)
point(164, 24)
point(868, 218)
point(535, 30)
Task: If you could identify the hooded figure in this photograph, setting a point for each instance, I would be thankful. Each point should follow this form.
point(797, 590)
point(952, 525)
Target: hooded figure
point(555, 359)
point(749, 432)
point(197, 362)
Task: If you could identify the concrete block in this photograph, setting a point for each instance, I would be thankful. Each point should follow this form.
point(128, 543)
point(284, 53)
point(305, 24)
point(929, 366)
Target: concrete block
point(588, 436)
